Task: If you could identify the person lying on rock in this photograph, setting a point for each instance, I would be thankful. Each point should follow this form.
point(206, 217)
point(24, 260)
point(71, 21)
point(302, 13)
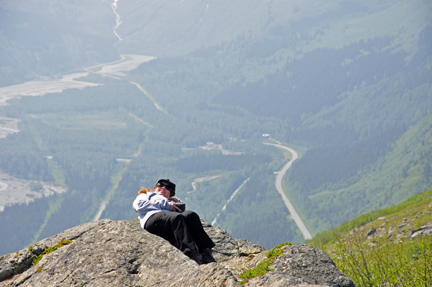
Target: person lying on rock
point(161, 213)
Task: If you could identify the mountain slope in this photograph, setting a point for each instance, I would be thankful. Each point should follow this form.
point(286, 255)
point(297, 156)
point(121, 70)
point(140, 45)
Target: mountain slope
point(392, 177)
point(170, 27)
point(390, 245)
point(42, 39)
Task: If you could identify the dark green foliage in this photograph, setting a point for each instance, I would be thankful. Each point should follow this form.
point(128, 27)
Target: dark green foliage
point(325, 165)
point(36, 186)
point(318, 78)
point(30, 164)
point(18, 226)
point(327, 199)
point(204, 163)
point(267, 219)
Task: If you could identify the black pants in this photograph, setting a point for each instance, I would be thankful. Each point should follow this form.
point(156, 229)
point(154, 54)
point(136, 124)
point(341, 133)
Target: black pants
point(183, 230)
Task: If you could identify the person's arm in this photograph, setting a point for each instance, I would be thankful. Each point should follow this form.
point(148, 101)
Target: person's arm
point(150, 201)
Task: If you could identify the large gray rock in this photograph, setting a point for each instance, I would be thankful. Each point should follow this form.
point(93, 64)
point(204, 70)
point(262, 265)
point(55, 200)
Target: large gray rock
point(302, 265)
point(120, 253)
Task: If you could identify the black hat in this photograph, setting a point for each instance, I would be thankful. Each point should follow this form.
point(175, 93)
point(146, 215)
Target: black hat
point(170, 184)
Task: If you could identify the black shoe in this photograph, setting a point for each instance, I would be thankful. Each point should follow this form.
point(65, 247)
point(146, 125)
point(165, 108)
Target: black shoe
point(194, 257)
point(207, 256)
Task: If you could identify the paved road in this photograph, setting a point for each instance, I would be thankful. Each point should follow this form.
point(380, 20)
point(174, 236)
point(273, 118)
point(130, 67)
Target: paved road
point(288, 204)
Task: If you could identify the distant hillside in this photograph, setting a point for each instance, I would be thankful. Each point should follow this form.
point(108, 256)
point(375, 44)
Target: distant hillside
point(42, 39)
point(176, 28)
point(348, 90)
point(373, 173)
point(385, 246)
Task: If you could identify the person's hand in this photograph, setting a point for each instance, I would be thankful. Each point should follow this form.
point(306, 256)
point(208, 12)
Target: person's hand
point(174, 206)
point(173, 198)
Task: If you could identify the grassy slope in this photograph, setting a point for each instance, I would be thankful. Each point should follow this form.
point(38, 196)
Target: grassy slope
point(417, 210)
point(391, 254)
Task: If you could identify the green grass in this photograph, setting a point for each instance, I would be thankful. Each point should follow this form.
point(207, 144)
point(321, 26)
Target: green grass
point(263, 267)
point(39, 269)
point(386, 262)
point(390, 256)
point(368, 217)
point(325, 238)
point(48, 250)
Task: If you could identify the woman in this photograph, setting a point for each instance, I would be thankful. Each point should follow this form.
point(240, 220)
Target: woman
point(160, 214)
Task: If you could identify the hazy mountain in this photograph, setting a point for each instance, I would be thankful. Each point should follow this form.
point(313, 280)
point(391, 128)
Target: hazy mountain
point(46, 38)
point(346, 84)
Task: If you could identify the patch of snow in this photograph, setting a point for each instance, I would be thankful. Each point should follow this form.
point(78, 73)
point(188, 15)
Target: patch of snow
point(126, 160)
point(17, 191)
point(211, 146)
point(8, 126)
point(40, 88)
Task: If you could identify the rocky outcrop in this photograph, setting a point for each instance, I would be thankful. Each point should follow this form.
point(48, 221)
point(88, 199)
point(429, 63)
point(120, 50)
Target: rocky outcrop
point(120, 253)
point(302, 265)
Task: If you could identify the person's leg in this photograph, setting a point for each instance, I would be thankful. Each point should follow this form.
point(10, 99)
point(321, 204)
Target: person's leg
point(201, 238)
point(157, 224)
point(172, 227)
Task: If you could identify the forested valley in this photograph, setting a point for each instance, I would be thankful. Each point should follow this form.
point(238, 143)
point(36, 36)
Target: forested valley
point(357, 109)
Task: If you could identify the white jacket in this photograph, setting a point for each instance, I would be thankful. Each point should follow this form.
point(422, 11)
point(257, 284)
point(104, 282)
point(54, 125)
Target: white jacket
point(147, 204)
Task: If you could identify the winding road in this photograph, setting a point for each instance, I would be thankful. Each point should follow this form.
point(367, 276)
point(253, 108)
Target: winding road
point(278, 183)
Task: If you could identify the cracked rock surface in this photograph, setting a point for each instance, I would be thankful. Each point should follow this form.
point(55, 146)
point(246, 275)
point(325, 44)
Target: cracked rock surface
point(302, 265)
point(121, 253)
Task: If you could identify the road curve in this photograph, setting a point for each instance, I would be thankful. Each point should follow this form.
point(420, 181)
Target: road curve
point(278, 183)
